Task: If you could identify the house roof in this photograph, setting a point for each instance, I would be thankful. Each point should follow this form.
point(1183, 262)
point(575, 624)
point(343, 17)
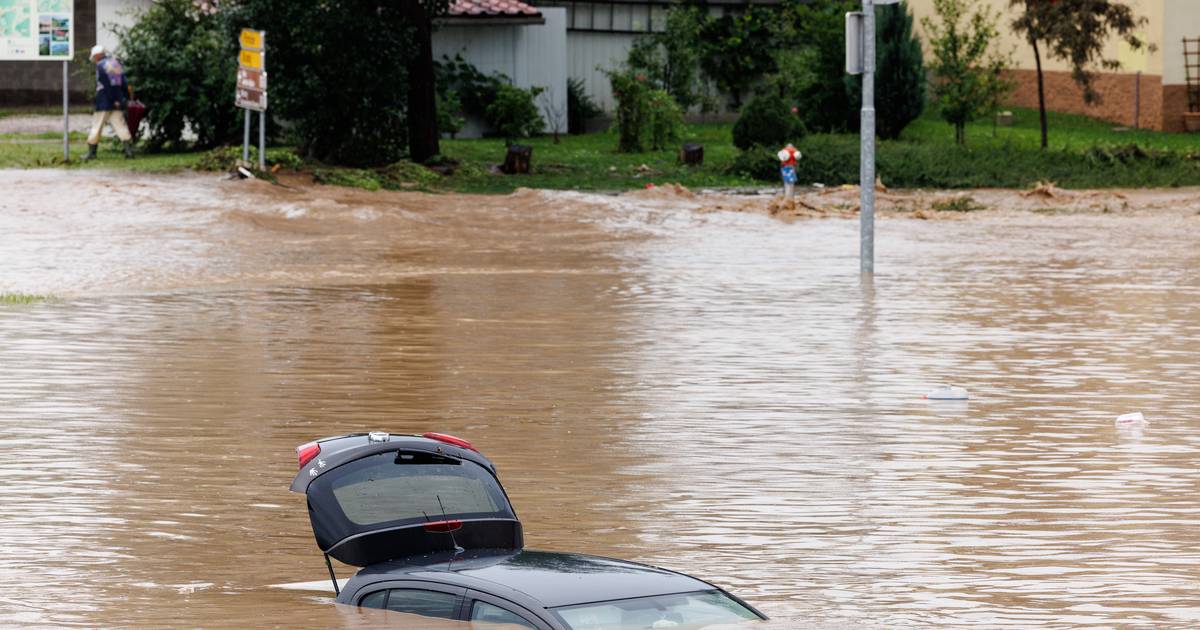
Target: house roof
point(492, 9)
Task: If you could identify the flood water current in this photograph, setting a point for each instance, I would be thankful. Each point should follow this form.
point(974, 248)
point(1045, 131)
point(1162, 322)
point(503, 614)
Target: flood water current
point(716, 393)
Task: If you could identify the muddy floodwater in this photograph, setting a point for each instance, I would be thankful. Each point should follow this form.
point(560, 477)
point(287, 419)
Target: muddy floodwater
point(708, 390)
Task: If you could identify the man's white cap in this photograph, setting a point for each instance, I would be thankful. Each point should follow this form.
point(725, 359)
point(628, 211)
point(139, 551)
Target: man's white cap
point(97, 50)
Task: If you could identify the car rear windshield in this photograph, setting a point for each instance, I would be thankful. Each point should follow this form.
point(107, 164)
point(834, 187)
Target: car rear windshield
point(683, 611)
point(402, 485)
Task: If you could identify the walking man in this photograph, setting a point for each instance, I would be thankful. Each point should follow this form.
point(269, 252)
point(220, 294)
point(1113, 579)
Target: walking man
point(112, 92)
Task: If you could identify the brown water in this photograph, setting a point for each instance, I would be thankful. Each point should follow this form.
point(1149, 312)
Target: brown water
point(712, 392)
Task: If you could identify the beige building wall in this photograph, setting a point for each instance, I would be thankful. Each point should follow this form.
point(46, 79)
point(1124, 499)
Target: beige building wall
point(1156, 99)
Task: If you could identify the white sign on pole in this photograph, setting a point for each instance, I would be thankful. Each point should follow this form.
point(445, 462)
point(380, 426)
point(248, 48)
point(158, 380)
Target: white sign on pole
point(37, 30)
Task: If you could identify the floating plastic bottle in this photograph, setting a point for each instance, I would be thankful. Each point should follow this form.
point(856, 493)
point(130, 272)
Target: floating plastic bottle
point(1135, 419)
point(948, 392)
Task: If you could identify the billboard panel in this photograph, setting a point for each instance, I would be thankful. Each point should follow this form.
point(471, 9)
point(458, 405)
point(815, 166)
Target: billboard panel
point(37, 30)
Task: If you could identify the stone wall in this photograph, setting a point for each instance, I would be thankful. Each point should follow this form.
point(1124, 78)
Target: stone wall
point(40, 82)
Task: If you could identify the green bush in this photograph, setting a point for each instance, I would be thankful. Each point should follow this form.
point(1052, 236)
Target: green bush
point(767, 120)
point(833, 160)
point(449, 112)
point(580, 107)
point(223, 159)
point(474, 89)
point(182, 64)
point(631, 93)
point(513, 114)
point(647, 118)
point(664, 120)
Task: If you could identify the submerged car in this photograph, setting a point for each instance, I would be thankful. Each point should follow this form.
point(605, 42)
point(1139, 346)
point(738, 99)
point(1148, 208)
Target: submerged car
point(427, 519)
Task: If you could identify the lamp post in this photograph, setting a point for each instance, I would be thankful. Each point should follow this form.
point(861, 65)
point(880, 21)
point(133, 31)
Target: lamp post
point(860, 59)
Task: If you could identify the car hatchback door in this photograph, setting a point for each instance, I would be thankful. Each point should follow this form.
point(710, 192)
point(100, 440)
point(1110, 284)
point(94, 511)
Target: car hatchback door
point(402, 498)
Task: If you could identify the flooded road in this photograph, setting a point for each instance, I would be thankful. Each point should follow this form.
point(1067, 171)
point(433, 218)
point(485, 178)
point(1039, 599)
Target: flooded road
point(713, 392)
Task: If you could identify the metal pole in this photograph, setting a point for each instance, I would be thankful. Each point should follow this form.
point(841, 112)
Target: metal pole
point(867, 133)
point(246, 139)
point(1137, 101)
point(66, 117)
point(262, 140)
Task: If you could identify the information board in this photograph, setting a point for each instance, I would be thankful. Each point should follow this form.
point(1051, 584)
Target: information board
point(37, 30)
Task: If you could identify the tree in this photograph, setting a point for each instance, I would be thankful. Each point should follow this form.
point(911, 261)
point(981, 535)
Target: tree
point(969, 77)
point(422, 86)
point(810, 45)
point(737, 49)
point(670, 59)
point(181, 62)
point(344, 106)
point(899, 76)
point(1075, 31)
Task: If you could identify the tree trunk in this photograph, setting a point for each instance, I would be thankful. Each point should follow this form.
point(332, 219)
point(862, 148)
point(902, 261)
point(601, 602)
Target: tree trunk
point(422, 103)
point(1037, 59)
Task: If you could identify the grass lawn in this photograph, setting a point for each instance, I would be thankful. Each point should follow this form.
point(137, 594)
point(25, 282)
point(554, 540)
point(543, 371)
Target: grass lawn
point(1065, 132)
point(1083, 153)
point(591, 162)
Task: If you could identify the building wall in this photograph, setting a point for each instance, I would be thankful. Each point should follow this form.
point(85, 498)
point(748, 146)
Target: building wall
point(530, 55)
point(1163, 94)
point(110, 13)
point(40, 82)
point(590, 54)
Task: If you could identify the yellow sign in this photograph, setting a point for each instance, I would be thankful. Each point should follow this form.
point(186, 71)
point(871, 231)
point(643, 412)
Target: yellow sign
point(250, 59)
point(251, 40)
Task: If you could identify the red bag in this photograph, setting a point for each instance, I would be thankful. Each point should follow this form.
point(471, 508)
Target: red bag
point(135, 111)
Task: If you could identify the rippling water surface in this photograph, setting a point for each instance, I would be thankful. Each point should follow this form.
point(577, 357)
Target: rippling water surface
point(714, 393)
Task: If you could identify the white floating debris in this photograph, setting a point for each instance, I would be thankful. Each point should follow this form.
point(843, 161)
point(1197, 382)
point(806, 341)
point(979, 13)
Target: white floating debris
point(948, 392)
point(1131, 419)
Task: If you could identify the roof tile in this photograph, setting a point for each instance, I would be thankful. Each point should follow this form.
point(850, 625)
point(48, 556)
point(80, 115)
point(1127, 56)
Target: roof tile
point(491, 7)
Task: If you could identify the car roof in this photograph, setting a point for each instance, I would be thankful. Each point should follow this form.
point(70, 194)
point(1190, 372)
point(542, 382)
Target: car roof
point(551, 578)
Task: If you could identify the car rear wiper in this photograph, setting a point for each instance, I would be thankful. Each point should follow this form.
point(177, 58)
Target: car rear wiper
point(420, 458)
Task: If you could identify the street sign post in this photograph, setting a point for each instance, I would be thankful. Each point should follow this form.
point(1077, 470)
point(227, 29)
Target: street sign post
point(40, 30)
point(865, 26)
point(250, 92)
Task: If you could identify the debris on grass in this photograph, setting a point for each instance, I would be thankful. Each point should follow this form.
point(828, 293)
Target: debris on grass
point(1045, 190)
point(959, 203)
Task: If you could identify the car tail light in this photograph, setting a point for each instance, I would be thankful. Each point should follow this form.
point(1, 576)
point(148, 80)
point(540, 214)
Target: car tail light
point(306, 452)
point(450, 439)
point(443, 527)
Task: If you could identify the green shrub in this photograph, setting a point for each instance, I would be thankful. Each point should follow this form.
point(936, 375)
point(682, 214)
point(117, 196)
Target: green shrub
point(513, 114)
point(670, 59)
point(631, 93)
point(182, 63)
point(349, 177)
point(223, 159)
point(474, 89)
point(767, 120)
point(833, 160)
point(405, 175)
point(580, 107)
point(664, 121)
point(449, 112)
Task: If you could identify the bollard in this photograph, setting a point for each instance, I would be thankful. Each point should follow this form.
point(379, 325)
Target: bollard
point(787, 169)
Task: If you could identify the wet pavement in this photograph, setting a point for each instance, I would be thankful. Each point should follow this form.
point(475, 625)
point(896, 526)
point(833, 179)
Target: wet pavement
point(713, 392)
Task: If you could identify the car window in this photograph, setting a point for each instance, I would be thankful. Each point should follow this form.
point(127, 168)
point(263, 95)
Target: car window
point(485, 615)
point(420, 486)
point(374, 600)
point(413, 601)
point(685, 611)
